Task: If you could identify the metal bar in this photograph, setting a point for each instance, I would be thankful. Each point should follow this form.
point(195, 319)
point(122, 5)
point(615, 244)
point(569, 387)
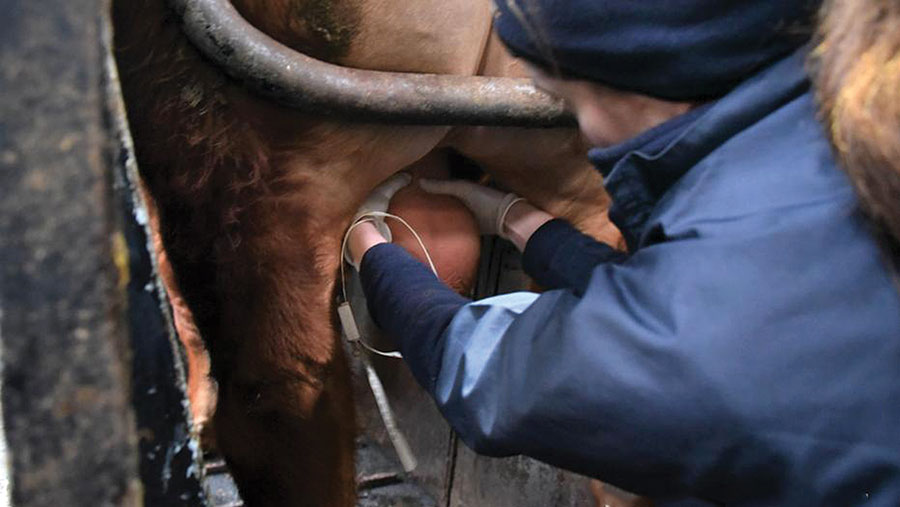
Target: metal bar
point(296, 80)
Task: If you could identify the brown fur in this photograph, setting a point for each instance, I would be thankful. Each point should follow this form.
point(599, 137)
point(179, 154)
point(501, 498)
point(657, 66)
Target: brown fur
point(219, 181)
point(200, 386)
point(253, 201)
point(323, 29)
point(857, 67)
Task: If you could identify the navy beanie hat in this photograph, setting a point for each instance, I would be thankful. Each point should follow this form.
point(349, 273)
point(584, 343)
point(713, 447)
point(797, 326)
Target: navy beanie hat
point(671, 49)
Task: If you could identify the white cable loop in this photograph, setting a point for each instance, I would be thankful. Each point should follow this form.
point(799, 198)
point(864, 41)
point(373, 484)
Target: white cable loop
point(345, 312)
point(366, 217)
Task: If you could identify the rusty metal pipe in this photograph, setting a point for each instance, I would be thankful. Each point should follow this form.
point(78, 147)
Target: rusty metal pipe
point(296, 80)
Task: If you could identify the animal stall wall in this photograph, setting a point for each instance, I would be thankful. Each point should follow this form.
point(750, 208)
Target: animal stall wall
point(94, 408)
point(63, 265)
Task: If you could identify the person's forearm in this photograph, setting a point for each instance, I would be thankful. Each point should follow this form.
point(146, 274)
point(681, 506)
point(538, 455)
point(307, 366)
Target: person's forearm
point(409, 303)
point(558, 256)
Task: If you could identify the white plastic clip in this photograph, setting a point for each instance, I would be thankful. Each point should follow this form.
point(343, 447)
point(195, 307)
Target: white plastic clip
point(348, 323)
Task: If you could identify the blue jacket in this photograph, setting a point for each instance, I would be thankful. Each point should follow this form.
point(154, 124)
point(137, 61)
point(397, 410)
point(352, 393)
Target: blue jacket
point(746, 350)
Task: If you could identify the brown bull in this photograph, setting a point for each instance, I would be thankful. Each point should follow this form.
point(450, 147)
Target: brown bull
point(251, 201)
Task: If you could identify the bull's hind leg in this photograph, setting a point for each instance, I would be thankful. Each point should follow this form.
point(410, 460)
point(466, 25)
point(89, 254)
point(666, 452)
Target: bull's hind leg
point(201, 388)
point(286, 431)
point(262, 294)
point(284, 418)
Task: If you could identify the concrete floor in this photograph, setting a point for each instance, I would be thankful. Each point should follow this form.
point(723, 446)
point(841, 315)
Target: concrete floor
point(4, 459)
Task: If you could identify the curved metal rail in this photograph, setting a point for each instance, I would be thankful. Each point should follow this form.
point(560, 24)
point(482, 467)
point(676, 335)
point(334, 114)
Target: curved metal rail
point(299, 81)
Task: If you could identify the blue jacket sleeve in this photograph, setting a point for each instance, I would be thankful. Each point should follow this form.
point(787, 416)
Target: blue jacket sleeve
point(656, 381)
point(411, 305)
point(558, 256)
point(589, 382)
point(652, 376)
point(408, 302)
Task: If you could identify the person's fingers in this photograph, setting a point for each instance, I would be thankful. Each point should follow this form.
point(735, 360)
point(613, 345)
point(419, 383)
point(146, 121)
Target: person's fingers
point(505, 205)
point(393, 184)
point(380, 197)
point(450, 187)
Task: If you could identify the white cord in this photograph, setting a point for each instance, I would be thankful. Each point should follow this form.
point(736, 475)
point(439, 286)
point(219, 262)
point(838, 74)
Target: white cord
point(501, 219)
point(392, 355)
point(351, 331)
point(401, 445)
point(366, 217)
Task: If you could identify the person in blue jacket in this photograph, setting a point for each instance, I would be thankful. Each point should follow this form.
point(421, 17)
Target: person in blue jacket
point(746, 349)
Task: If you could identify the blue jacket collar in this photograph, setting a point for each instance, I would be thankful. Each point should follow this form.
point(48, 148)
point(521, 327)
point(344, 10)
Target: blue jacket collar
point(638, 172)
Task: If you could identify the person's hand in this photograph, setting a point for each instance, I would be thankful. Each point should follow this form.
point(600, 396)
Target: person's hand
point(379, 201)
point(489, 206)
point(364, 236)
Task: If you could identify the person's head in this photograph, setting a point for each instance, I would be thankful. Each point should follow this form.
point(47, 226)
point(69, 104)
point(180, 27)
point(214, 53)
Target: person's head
point(607, 116)
point(627, 65)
